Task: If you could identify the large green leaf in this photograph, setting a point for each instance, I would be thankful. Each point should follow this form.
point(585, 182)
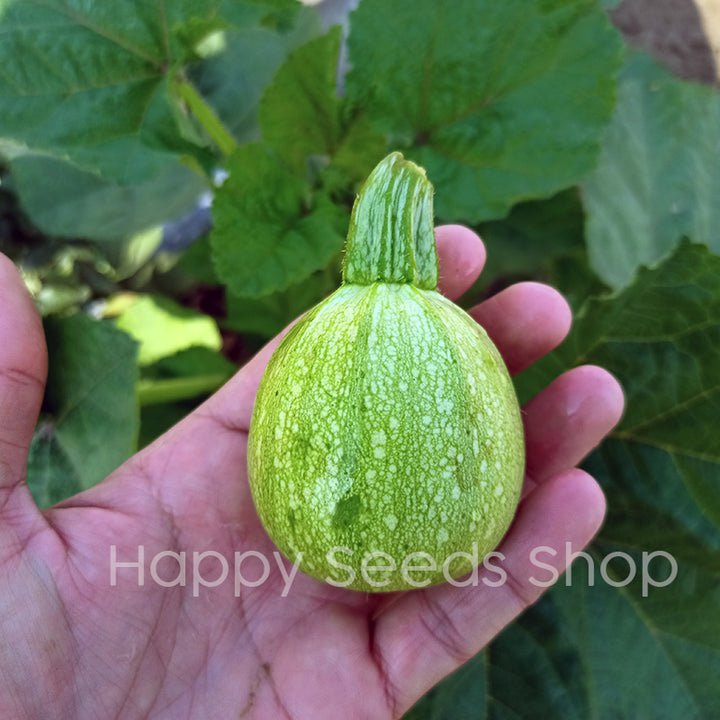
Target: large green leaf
point(538, 240)
point(65, 201)
point(270, 229)
point(299, 110)
point(86, 82)
point(92, 423)
point(499, 101)
point(658, 178)
point(303, 118)
point(601, 647)
point(661, 337)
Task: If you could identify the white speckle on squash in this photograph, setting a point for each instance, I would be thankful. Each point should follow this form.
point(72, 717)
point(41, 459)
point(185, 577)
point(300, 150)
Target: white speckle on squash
point(391, 521)
point(378, 438)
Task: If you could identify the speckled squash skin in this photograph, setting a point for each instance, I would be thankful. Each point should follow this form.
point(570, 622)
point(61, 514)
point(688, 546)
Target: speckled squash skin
point(386, 421)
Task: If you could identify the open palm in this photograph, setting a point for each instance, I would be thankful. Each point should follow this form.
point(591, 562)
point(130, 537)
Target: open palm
point(74, 645)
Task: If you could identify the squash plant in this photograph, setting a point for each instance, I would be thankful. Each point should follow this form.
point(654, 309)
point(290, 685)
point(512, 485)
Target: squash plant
point(581, 162)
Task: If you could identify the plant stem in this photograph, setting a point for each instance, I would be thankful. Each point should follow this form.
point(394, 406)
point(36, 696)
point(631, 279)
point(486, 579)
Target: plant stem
point(206, 116)
point(391, 237)
point(156, 392)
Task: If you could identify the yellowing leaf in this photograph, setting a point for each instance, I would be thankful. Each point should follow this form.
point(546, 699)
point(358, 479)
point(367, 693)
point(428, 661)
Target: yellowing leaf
point(164, 328)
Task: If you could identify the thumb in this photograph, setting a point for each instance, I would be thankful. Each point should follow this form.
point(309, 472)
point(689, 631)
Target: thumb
point(23, 369)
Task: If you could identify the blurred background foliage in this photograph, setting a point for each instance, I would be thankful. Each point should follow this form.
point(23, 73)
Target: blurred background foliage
point(175, 185)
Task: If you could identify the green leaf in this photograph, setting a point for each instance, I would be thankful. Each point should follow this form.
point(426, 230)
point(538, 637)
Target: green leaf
point(196, 263)
point(194, 362)
point(130, 255)
point(270, 229)
point(163, 328)
point(267, 316)
point(66, 201)
point(499, 101)
point(539, 240)
point(90, 397)
point(661, 338)
point(658, 178)
point(461, 696)
point(533, 233)
point(358, 151)
point(50, 474)
point(159, 418)
point(299, 110)
point(307, 123)
point(188, 374)
point(232, 81)
point(87, 82)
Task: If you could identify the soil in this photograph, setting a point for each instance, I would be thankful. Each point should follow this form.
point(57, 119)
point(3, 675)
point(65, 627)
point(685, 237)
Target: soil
point(675, 32)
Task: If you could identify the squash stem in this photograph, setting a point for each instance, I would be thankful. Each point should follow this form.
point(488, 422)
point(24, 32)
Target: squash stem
point(391, 237)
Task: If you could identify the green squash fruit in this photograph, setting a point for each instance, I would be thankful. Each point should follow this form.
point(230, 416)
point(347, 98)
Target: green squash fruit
point(386, 447)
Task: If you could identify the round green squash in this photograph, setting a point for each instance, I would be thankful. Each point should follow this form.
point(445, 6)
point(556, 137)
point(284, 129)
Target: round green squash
point(386, 448)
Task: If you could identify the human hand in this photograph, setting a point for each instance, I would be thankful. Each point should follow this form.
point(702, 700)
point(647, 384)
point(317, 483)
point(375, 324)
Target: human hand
point(76, 646)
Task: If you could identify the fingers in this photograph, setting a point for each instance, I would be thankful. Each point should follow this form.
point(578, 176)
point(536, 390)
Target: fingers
point(568, 419)
point(461, 256)
point(23, 367)
point(424, 635)
point(525, 321)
